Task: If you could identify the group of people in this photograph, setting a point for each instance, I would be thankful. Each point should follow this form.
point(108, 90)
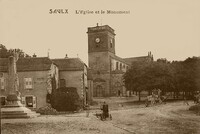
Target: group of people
point(155, 97)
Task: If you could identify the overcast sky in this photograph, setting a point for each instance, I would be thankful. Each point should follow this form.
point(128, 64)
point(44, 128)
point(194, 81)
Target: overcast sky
point(168, 28)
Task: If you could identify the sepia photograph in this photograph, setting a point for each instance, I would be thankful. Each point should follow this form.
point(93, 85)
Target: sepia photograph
point(100, 67)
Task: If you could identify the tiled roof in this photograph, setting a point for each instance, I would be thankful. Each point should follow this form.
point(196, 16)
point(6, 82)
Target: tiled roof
point(28, 64)
point(69, 64)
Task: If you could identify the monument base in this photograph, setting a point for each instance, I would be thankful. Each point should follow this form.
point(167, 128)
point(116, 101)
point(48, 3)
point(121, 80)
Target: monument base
point(14, 109)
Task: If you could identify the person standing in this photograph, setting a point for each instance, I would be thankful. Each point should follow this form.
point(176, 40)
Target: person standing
point(105, 110)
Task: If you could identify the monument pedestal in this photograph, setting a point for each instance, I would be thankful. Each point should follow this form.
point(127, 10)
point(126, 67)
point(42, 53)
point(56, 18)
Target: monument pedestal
point(14, 109)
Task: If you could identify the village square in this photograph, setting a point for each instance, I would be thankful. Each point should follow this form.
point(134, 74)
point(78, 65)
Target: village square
point(109, 95)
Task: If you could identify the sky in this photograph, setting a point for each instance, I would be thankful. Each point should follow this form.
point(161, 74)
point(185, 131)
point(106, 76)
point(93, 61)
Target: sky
point(168, 28)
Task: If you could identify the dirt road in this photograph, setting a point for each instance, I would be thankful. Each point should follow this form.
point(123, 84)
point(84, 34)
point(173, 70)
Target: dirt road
point(171, 118)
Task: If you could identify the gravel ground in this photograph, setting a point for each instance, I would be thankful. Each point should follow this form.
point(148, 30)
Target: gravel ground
point(170, 118)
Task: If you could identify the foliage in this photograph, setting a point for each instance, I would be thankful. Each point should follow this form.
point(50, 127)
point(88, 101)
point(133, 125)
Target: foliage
point(66, 99)
point(147, 76)
point(5, 53)
point(47, 110)
point(187, 74)
point(178, 76)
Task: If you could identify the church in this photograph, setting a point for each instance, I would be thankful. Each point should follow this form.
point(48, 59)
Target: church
point(106, 67)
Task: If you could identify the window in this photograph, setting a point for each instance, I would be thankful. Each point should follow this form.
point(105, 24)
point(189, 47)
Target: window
point(29, 101)
point(117, 65)
point(28, 84)
point(111, 43)
point(120, 66)
point(62, 83)
point(2, 83)
point(3, 100)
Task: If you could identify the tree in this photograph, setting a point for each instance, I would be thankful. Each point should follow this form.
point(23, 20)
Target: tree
point(135, 78)
point(5, 53)
point(145, 76)
point(66, 99)
point(187, 75)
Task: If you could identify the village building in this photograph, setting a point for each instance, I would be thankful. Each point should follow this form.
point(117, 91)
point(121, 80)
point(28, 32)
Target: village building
point(73, 73)
point(106, 67)
point(35, 75)
point(39, 76)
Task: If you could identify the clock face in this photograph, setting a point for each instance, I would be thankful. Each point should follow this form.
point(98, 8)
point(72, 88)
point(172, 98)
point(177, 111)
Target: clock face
point(97, 40)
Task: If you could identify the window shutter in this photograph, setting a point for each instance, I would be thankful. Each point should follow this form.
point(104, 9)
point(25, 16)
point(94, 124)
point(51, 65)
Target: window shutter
point(34, 102)
point(32, 83)
point(24, 83)
point(1, 83)
point(5, 80)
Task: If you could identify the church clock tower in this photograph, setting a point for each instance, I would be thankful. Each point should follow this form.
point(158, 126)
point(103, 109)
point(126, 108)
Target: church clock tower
point(101, 45)
point(101, 39)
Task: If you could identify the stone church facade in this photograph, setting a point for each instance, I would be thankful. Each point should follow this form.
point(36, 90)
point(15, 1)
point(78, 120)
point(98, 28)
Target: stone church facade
point(106, 67)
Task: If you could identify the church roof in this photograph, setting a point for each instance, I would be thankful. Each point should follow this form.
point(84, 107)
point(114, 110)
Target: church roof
point(69, 64)
point(28, 64)
point(120, 59)
point(135, 59)
point(100, 28)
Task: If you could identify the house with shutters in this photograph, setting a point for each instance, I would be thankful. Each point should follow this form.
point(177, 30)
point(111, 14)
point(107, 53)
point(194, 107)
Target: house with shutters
point(73, 73)
point(37, 76)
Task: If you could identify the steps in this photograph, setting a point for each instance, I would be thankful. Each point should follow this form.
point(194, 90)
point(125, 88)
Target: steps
point(17, 113)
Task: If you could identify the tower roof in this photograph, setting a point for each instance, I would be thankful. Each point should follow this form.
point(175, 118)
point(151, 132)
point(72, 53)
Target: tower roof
point(101, 29)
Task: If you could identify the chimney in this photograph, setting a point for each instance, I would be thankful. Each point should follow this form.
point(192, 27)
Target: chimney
point(34, 55)
point(66, 56)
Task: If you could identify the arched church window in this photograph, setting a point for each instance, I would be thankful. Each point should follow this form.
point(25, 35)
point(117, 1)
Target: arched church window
point(111, 43)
